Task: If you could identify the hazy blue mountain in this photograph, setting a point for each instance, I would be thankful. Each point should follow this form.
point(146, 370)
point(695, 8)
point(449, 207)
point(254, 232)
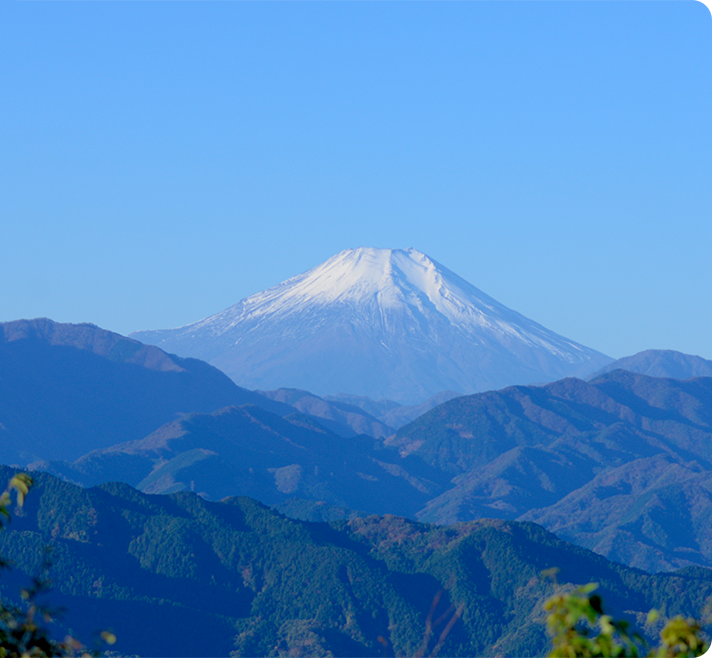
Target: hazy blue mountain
point(652, 513)
point(405, 414)
point(376, 408)
point(382, 323)
point(335, 414)
point(249, 451)
point(180, 576)
point(619, 465)
point(390, 412)
point(66, 389)
point(661, 363)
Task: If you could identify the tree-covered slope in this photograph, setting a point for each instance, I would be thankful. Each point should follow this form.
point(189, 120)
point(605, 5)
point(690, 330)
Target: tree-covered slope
point(618, 464)
point(180, 576)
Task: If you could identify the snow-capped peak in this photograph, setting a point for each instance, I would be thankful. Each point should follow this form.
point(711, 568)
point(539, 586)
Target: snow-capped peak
point(368, 280)
point(388, 310)
point(357, 276)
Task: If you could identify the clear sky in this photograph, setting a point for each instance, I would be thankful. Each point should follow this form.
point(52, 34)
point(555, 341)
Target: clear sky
point(161, 161)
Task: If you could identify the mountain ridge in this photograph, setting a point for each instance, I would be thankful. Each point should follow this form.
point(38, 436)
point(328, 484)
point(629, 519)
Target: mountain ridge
point(249, 451)
point(243, 578)
point(660, 363)
point(66, 389)
point(576, 457)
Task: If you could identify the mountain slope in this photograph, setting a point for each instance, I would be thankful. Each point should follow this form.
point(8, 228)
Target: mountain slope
point(657, 514)
point(66, 389)
point(248, 451)
point(333, 414)
point(618, 465)
point(661, 363)
point(383, 323)
point(180, 576)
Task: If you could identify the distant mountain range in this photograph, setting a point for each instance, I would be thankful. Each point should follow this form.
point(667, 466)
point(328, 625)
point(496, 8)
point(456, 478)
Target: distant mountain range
point(377, 418)
point(68, 389)
point(382, 323)
point(180, 576)
point(249, 451)
point(654, 363)
point(333, 413)
point(390, 412)
point(620, 464)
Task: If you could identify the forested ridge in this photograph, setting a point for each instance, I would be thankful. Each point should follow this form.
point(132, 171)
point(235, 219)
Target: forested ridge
point(240, 577)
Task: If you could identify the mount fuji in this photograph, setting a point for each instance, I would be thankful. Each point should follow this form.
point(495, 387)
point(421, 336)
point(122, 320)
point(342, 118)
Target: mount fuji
point(384, 323)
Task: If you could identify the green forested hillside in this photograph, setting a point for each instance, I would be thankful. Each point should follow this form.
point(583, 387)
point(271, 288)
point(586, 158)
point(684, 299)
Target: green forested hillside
point(180, 576)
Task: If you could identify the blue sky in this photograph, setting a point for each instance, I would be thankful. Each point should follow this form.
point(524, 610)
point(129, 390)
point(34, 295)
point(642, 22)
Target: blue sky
point(161, 161)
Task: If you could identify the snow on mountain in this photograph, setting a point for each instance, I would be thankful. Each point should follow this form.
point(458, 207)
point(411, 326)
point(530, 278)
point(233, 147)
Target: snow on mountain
point(378, 322)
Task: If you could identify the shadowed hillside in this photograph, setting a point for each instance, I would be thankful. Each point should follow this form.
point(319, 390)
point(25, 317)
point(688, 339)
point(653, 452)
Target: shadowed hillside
point(66, 389)
point(179, 576)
